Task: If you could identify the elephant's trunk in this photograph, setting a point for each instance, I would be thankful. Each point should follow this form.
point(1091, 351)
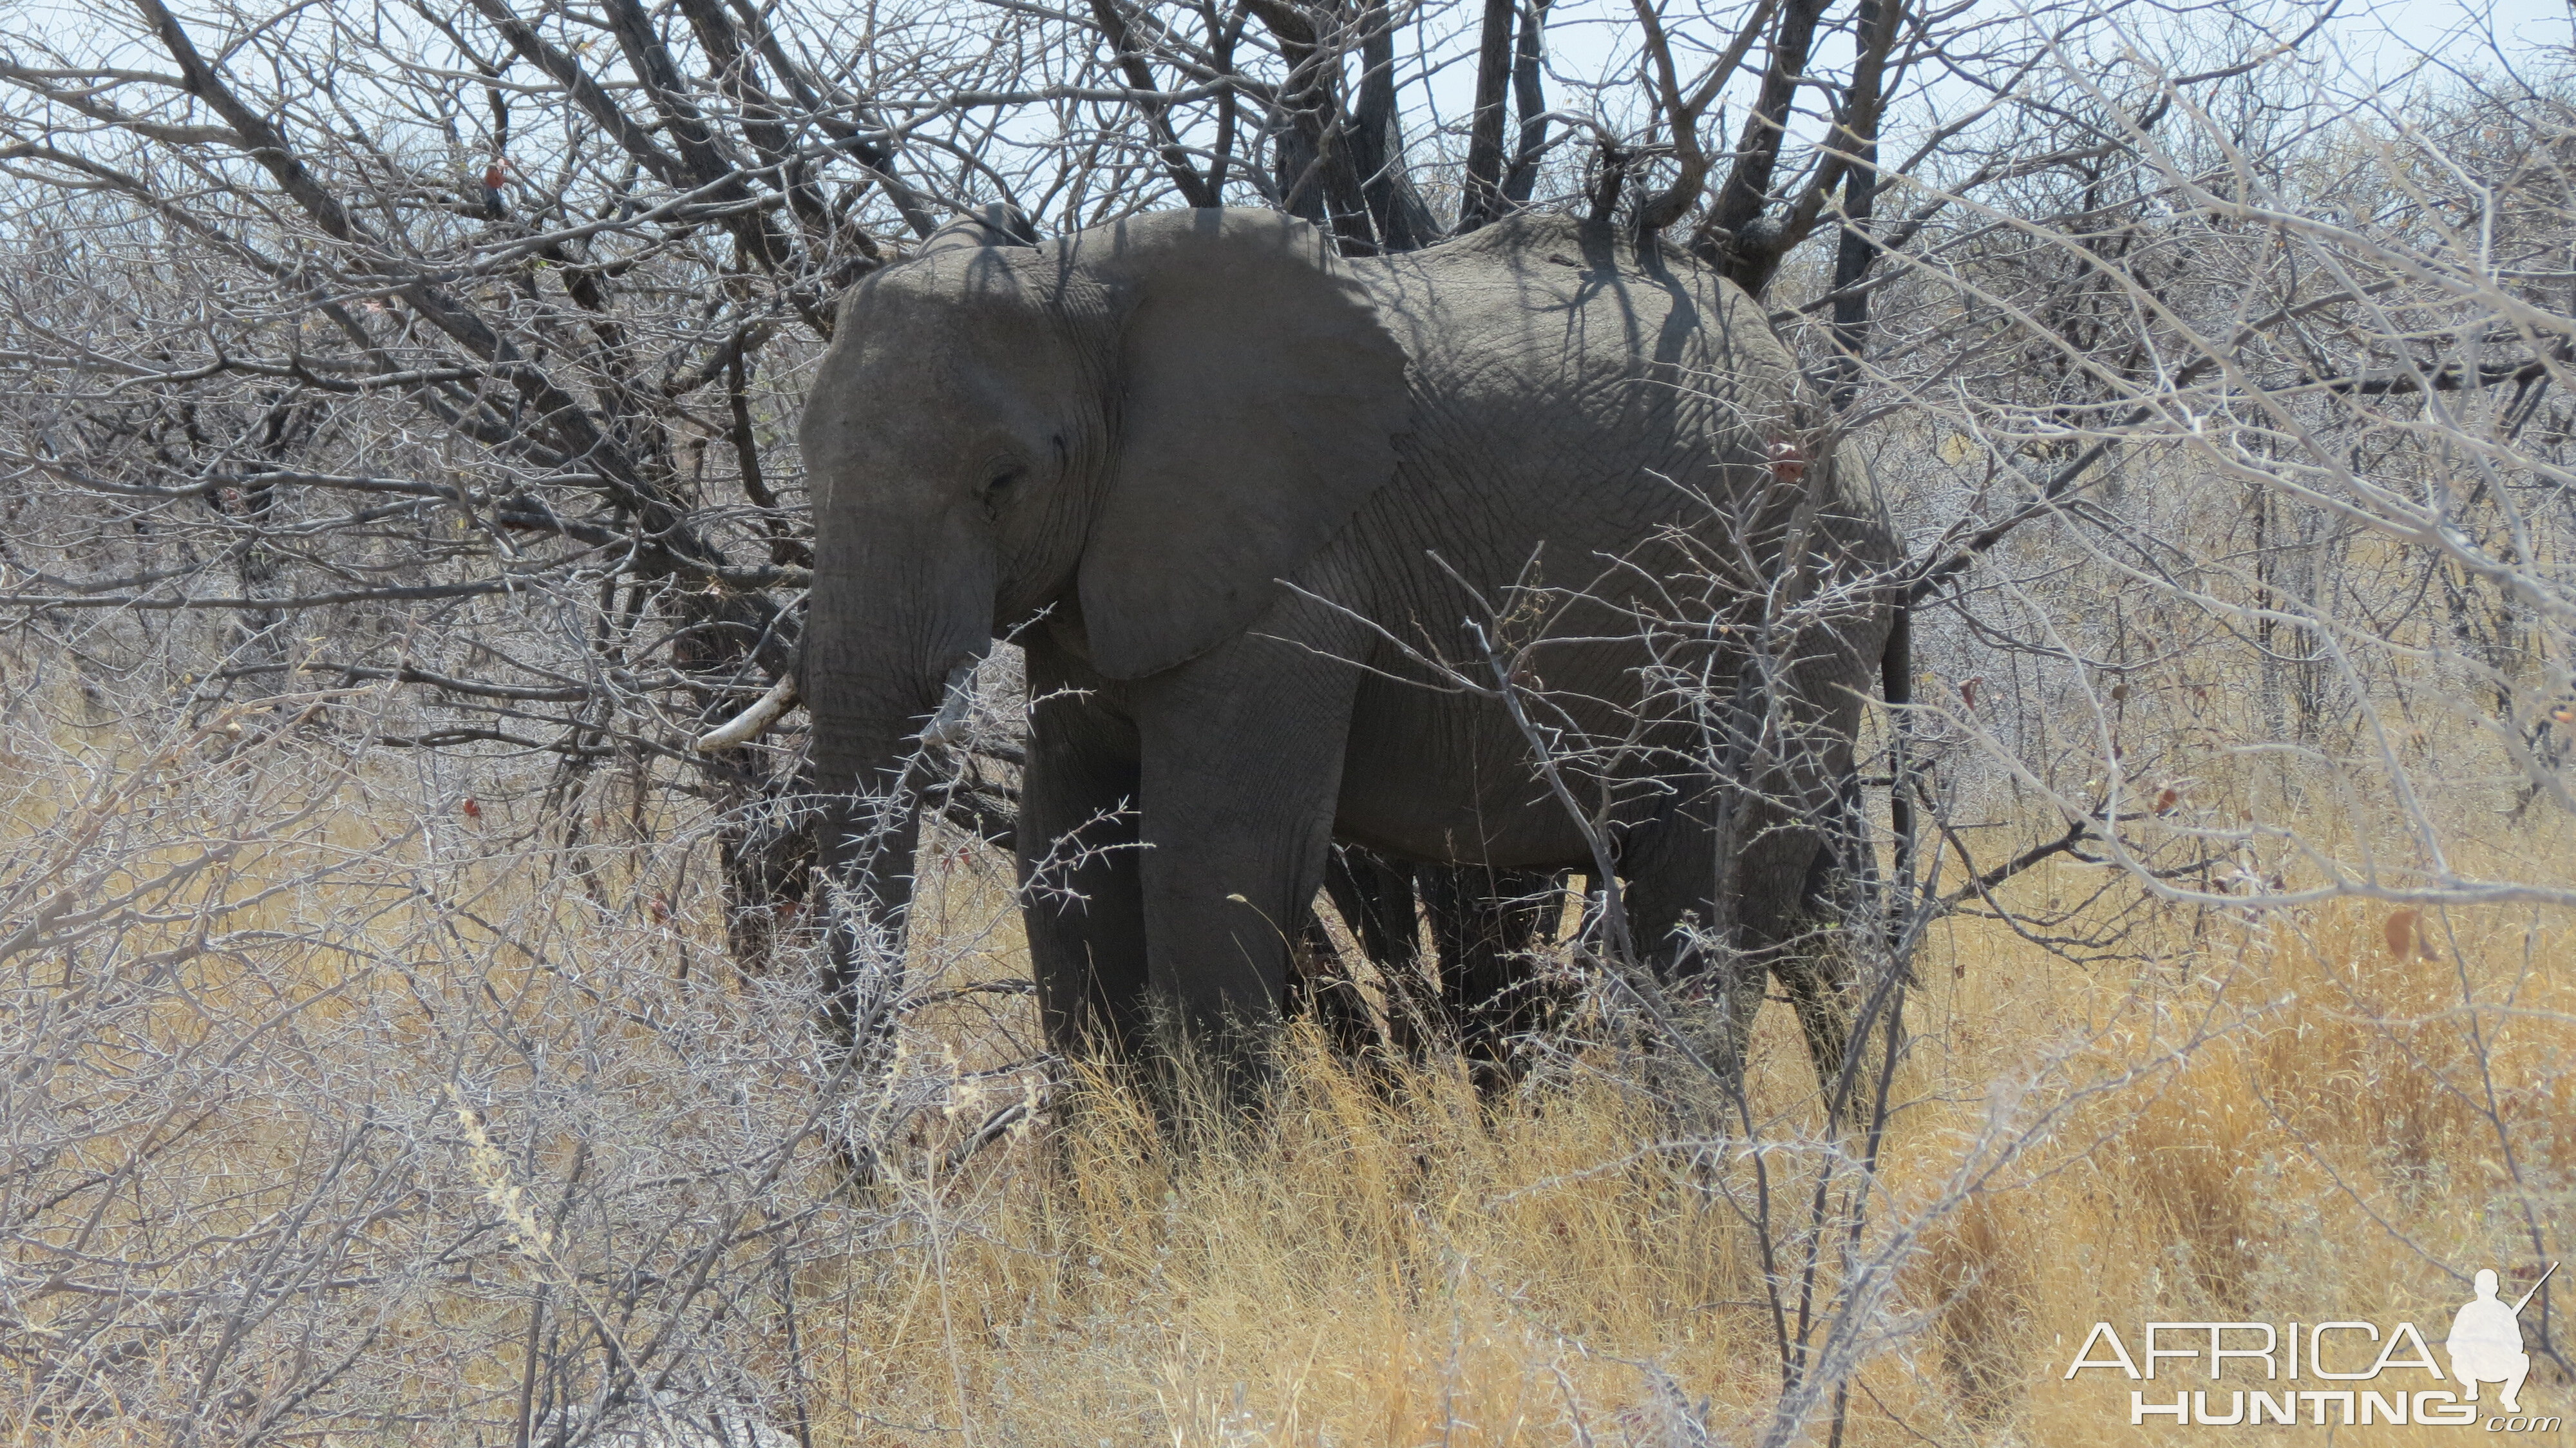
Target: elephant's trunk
point(868, 894)
point(882, 663)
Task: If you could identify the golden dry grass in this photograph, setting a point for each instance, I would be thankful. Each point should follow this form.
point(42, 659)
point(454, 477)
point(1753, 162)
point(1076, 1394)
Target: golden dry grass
point(2273, 1120)
point(2281, 1122)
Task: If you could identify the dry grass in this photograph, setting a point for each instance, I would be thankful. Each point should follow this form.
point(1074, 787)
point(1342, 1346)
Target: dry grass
point(2273, 1120)
point(2283, 1123)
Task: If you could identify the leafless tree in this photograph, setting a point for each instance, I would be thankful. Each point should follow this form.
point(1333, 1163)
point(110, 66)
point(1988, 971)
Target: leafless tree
point(407, 378)
point(458, 349)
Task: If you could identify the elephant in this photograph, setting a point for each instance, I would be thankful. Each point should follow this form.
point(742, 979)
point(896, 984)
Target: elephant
point(1237, 496)
point(1472, 989)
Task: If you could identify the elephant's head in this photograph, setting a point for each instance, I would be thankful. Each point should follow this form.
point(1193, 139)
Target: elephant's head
point(1138, 428)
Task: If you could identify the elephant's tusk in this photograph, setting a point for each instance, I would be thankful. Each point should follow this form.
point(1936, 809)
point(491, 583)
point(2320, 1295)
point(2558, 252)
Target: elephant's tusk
point(753, 722)
point(947, 728)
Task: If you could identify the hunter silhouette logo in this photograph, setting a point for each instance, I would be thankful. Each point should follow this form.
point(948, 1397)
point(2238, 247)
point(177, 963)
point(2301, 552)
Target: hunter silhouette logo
point(2486, 1340)
point(2484, 1347)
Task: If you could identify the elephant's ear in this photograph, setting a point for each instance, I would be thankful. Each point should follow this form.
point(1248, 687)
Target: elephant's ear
point(1258, 401)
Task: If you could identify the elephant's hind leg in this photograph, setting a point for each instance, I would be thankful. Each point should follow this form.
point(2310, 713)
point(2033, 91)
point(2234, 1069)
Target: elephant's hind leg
point(1810, 969)
point(1377, 899)
point(1720, 931)
point(1489, 923)
point(1686, 933)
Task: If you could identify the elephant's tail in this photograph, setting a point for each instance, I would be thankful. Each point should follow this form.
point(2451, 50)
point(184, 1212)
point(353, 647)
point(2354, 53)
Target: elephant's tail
point(1896, 687)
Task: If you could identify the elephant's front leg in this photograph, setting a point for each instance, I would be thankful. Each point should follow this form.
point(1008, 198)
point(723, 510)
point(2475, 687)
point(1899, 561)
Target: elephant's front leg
point(1080, 887)
point(1242, 757)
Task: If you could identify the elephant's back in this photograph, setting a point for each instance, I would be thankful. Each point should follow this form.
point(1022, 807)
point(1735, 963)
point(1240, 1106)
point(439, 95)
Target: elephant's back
point(1569, 394)
point(1571, 307)
point(1553, 364)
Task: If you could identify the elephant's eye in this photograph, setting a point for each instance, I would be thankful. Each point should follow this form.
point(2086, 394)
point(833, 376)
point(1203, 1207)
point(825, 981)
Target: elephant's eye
point(997, 491)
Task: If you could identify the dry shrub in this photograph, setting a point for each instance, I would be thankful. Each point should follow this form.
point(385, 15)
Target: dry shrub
point(333, 1110)
point(326, 1106)
point(2280, 1124)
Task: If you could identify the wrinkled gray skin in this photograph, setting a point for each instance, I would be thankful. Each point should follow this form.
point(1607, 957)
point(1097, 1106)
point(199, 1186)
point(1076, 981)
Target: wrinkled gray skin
point(1129, 435)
